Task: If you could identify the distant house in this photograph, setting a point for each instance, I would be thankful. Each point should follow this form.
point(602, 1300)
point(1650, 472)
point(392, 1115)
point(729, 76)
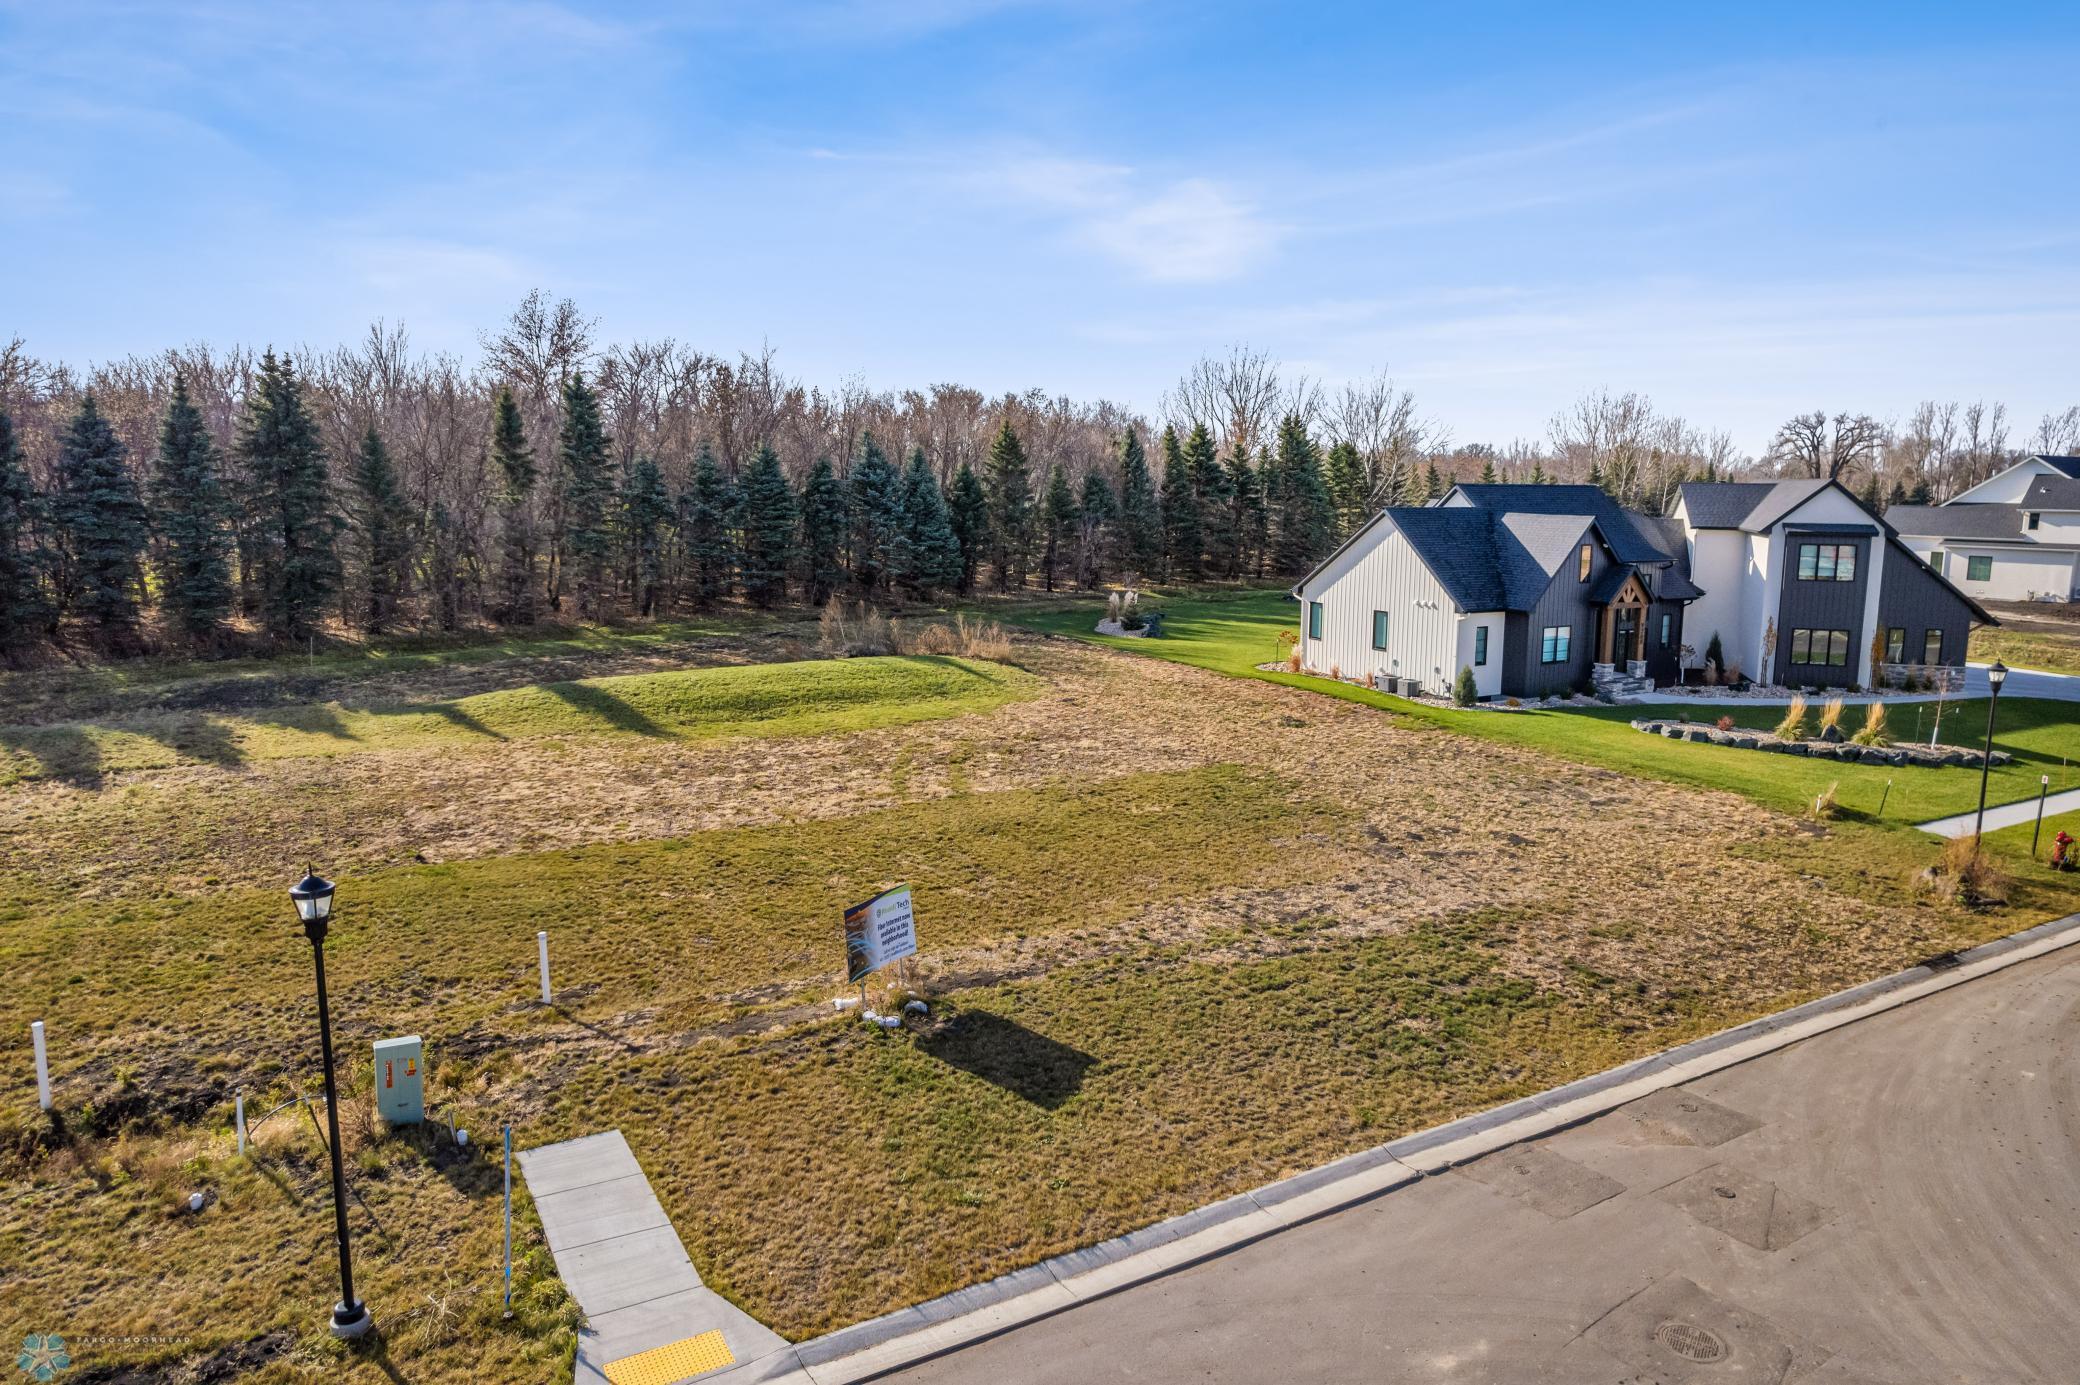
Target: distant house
point(2013, 537)
point(1544, 589)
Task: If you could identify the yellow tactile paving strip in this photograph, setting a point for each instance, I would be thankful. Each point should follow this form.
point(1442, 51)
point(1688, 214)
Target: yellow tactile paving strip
point(672, 1362)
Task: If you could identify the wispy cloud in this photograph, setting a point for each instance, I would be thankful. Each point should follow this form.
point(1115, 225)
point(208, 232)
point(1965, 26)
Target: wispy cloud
point(1183, 230)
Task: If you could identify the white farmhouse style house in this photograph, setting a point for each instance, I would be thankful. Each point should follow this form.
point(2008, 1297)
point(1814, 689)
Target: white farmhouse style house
point(1542, 589)
point(2013, 537)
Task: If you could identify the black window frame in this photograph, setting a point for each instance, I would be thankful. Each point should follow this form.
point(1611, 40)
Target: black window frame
point(1480, 646)
point(1819, 648)
point(1585, 561)
point(1379, 630)
point(1560, 640)
point(1971, 567)
point(1827, 562)
point(1667, 625)
point(1896, 644)
point(1314, 620)
point(1932, 645)
point(2034, 516)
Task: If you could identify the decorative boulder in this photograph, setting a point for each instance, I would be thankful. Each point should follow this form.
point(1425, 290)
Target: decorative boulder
point(1741, 742)
point(1832, 735)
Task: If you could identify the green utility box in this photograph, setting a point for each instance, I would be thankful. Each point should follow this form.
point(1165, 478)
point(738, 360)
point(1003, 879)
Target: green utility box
point(400, 1085)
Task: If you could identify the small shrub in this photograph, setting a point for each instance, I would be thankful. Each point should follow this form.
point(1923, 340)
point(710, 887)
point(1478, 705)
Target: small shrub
point(1711, 671)
point(1714, 653)
point(1464, 693)
point(1873, 732)
point(1964, 875)
point(1825, 808)
point(1514, 702)
point(965, 637)
point(1793, 726)
point(1293, 660)
point(1112, 606)
point(1336, 672)
point(1831, 715)
point(1732, 676)
point(1725, 723)
point(848, 631)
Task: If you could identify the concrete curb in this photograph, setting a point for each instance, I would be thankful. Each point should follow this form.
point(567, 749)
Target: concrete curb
point(883, 1345)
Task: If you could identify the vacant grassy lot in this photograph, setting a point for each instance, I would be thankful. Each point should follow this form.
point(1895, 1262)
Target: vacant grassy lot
point(1183, 932)
point(2039, 635)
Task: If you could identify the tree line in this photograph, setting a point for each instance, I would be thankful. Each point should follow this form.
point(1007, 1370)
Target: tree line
point(226, 500)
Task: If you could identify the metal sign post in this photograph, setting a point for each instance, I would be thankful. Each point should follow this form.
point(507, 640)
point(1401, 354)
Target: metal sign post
point(2043, 787)
point(509, 1221)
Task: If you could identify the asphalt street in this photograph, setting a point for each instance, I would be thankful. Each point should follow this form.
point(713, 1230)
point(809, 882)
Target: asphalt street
point(1895, 1201)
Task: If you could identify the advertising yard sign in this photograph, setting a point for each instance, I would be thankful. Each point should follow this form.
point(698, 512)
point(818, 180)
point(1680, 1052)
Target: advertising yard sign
point(878, 932)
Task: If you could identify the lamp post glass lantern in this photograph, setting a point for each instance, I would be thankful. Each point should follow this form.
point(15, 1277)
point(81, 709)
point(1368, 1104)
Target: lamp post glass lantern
point(312, 896)
point(1995, 676)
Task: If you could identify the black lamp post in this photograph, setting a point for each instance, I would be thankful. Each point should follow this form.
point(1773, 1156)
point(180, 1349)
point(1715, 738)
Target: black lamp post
point(313, 897)
point(1995, 676)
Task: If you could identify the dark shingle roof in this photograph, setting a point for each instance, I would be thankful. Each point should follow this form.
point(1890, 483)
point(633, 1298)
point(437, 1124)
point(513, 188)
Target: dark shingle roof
point(1957, 521)
point(1752, 505)
point(1722, 504)
point(1490, 561)
point(2052, 493)
point(1614, 523)
point(2069, 465)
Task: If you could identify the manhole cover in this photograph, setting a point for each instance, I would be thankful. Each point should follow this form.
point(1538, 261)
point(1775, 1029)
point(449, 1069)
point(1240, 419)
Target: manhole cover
point(1691, 1342)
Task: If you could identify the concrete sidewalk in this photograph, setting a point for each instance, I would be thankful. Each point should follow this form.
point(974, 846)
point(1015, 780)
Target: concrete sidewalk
point(1999, 815)
point(648, 1318)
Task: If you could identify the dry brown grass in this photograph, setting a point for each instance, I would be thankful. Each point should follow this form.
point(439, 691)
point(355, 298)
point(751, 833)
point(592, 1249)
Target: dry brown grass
point(1872, 732)
point(1966, 875)
point(966, 636)
point(853, 629)
point(1831, 715)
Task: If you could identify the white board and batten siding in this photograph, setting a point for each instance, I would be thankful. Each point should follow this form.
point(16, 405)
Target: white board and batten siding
point(1427, 637)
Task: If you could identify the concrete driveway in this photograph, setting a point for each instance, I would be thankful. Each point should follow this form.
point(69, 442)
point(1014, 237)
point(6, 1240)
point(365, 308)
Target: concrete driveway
point(1895, 1201)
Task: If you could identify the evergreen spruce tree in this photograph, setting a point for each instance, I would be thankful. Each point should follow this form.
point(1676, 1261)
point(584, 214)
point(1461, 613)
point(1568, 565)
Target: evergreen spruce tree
point(1595, 477)
point(191, 514)
point(101, 524)
point(1246, 511)
point(880, 531)
point(1488, 477)
point(1011, 516)
point(1434, 485)
point(513, 467)
point(1347, 488)
point(1921, 494)
point(1897, 495)
point(1872, 495)
point(1306, 517)
point(766, 511)
point(1140, 514)
point(588, 495)
point(288, 498)
point(1268, 491)
point(1216, 502)
point(646, 522)
point(968, 510)
point(1538, 473)
point(379, 515)
point(824, 519)
point(24, 611)
point(932, 550)
point(1097, 519)
point(1181, 532)
point(1057, 525)
point(709, 515)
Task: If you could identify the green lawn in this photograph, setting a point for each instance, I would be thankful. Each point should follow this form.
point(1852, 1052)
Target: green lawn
point(1233, 634)
point(798, 698)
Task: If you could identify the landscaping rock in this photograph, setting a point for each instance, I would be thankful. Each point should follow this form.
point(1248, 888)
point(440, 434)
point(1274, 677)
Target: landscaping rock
point(2001, 757)
point(1832, 735)
point(1742, 742)
point(1793, 747)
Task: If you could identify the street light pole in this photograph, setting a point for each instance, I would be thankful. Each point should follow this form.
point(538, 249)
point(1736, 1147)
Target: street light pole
point(313, 898)
point(1995, 676)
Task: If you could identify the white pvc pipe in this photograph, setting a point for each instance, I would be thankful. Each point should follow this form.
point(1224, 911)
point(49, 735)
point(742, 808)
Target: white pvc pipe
point(241, 1122)
point(541, 942)
point(43, 1066)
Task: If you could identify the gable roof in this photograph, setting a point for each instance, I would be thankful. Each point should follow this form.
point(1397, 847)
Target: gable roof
point(1957, 521)
point(1750, 505)
point(1612, 521)
point(2053, 493)
point(1486, 561)
point(2069, 465)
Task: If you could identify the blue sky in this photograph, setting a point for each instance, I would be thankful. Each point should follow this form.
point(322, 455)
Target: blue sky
point(1743, 213)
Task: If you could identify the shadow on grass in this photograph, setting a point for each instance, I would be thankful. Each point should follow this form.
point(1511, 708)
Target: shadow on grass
point(1006, 1054)
point(600, 1031)
point(60, 752)
point(200, 738)
point(455, 716)
point(608, 708)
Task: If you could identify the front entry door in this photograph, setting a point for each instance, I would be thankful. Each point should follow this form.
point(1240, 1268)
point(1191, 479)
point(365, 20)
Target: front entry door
point(1627, 633)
